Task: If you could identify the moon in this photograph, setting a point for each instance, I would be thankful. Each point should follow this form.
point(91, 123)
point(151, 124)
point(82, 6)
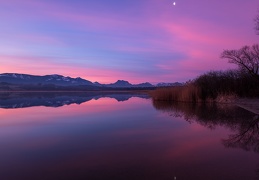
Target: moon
point(174, 3)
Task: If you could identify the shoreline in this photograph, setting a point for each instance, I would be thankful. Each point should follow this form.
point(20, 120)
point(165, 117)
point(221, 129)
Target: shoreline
point(249, 104)
point(74, 91)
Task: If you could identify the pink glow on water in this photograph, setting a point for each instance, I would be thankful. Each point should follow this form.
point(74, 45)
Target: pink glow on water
point(41, 115)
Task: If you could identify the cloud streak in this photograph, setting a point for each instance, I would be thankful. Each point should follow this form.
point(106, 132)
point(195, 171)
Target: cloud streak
point(137, 41)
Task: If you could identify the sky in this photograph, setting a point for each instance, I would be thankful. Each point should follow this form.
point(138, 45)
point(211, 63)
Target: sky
point(135, 40)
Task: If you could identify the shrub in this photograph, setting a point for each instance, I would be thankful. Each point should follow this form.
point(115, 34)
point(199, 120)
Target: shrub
point(210, 86)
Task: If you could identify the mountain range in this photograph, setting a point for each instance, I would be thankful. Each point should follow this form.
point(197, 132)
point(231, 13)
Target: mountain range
point(26, 80)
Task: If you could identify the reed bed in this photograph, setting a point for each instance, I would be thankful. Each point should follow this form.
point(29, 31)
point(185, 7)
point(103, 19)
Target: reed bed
point(187, 93)
point(214, 86)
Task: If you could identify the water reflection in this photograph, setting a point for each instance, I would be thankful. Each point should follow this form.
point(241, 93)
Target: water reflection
point(243, 124)
point(107, 139)
point(58, 99)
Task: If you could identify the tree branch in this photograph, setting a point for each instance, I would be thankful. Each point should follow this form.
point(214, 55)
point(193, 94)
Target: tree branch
point(247, 59)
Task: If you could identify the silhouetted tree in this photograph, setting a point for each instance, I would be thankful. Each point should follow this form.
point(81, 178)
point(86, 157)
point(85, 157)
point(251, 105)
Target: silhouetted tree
point(257, 24)
point(247, 59)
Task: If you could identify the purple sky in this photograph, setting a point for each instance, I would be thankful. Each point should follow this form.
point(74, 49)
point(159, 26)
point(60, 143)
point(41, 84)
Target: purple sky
point(134, 40)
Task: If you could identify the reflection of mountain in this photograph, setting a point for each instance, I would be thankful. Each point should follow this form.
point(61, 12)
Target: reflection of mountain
point(21, 100)
point(243, 123)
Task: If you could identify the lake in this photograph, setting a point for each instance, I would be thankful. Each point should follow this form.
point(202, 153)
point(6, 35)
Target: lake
point(127, 136)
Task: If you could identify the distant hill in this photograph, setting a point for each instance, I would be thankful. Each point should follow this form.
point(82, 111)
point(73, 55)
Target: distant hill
point(14, 78)
point(169, 84)
point(15, 81)
point(126, 84)
point(26, 82)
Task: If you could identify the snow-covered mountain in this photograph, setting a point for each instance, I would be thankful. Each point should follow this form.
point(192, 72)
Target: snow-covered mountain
point(14, 78)
point(59, 80)
point(169, 84)
point(126, 84)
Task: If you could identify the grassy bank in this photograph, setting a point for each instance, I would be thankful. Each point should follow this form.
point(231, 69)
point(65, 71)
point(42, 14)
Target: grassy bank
point(216, 86)
point(187, 93)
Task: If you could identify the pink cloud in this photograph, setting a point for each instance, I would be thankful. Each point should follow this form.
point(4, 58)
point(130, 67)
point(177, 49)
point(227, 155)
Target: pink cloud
point(202, 43)
point(46, 65)
point(197, 39)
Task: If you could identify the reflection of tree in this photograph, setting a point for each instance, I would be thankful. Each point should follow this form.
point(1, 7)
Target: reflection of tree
point(243, 123)
point(247, 137)
point(257, 172)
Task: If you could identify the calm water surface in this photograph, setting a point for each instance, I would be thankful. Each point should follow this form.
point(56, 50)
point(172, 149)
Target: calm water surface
point(124, 136)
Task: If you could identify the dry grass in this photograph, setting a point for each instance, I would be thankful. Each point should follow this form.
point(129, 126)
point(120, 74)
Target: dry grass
point(187, 93)
point(214, 86)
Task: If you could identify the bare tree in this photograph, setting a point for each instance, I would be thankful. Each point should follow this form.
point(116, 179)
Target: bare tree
point(257, 24)
point(247, 59)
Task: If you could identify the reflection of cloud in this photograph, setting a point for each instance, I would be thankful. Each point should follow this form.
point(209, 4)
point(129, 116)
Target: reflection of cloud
point(120, 140)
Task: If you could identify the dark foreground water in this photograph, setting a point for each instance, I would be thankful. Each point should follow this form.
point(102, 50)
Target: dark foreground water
point(124, 136)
